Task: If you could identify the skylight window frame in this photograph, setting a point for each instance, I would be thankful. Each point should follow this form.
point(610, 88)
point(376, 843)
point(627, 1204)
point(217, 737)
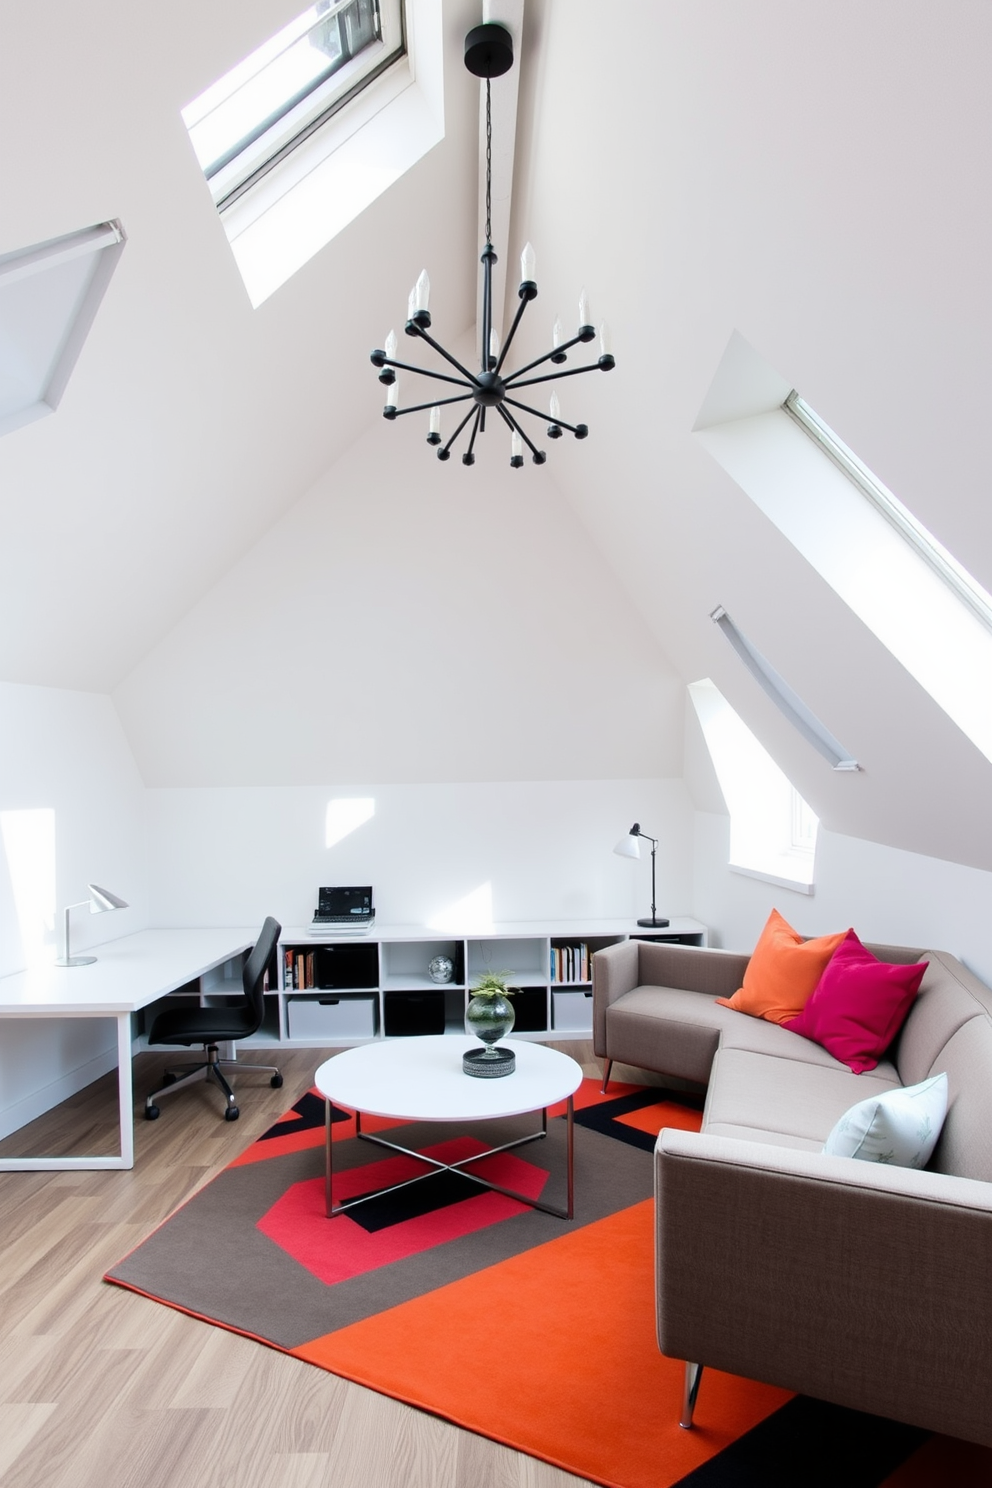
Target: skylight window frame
point(284, 132)
point(934, 554)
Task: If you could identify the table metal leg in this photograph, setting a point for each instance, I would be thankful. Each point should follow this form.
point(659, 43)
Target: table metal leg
point(461, 1166)
point(328, 1162)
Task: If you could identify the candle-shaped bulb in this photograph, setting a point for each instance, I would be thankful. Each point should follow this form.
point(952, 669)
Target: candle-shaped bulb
point(411, 304)
point(516, 445)
point(422, 291)
point(493, 344)
point(555, 408)
point(557, 334)
point(391, 346)
point(528, 264)
point(435, 420)
point(605, 340)
point(584, 308)
point(393, 394)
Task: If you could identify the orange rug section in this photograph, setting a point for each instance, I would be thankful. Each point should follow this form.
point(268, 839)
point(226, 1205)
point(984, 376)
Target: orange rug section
point(651, 1119)
point(590, 1391)
point(945, 1461)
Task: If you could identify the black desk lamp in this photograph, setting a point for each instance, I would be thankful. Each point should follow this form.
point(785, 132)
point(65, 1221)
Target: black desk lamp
point(630, 847)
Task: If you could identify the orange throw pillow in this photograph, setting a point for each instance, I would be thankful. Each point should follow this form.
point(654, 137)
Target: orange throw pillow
point(782, 972)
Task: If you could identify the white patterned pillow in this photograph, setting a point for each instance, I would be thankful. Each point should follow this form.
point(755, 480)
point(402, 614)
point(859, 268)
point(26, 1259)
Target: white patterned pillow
point(900, 1127)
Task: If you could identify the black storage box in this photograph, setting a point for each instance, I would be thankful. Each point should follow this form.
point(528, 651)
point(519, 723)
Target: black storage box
point(346, 966)
point(409, 1013)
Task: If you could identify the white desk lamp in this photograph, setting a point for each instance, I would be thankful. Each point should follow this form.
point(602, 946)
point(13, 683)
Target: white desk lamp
point(99, 901)
point(630, 847)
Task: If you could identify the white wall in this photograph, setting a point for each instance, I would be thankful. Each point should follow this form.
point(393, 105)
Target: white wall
point(66, 752)
point(411, 621)
point(888, 895)
point(545, 848)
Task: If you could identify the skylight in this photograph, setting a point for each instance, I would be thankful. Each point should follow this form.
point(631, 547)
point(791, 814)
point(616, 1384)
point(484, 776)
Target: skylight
point(772, 829)
point(250, 119)
point(911, 593)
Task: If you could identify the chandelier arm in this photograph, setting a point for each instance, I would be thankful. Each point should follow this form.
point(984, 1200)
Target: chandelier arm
point(555, 351)
point(506, 346)
point(425, 372)
point(554, 376)
point(419, 407)
point(459, 429)
point(539, 415)
point(517, 429)
point(417, 331)
point(475, 430)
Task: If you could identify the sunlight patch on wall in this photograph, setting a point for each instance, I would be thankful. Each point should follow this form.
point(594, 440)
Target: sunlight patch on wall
point(29, 846)
point(772, 829)
point(472, 915)
point(345, 814)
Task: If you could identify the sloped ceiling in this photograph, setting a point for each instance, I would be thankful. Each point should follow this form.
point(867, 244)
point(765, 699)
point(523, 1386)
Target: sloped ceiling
point(808, 176)
point(813, 177)
point(191, 421)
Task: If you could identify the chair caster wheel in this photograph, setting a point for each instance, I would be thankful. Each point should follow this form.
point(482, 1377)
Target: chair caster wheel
point(232, 1113)
point(276, 1082)
point(152, 1113)
point(168, 1079)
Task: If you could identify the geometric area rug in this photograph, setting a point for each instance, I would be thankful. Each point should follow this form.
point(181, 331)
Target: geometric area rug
point(530, 1330)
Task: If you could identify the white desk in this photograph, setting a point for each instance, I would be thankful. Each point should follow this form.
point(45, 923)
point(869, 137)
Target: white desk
point(128, 975)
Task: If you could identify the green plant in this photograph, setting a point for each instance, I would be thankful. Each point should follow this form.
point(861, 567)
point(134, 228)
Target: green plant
point(493, 984)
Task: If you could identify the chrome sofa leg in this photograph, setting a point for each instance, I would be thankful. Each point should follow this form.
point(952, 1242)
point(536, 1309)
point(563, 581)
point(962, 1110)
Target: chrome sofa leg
point(690, 1389)
point(606, 1075)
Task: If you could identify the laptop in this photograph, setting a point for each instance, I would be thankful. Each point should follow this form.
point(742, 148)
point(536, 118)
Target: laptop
point(347, 911)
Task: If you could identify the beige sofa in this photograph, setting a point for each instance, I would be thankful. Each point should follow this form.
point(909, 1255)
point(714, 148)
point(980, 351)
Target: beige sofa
point(862, 1284)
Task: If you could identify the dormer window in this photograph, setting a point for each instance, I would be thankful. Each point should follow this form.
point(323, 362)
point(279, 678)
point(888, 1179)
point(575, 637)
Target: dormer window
point(264, 108)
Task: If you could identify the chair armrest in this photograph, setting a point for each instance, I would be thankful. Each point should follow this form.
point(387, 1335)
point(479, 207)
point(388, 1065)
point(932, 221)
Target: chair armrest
point(614, 972)
point(859, 1283)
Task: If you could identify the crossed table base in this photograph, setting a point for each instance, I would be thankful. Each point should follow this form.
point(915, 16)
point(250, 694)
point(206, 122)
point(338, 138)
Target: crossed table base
point(421, 1079)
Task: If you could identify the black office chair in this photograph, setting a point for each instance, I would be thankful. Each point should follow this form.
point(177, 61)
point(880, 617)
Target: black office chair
point(213, 1025)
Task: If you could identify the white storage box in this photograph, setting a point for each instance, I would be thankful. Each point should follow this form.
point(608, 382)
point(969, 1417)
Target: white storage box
point(326, 1017)
point(572, 1011)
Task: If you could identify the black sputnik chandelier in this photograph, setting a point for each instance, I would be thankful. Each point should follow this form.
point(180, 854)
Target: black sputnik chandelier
point(488, 54)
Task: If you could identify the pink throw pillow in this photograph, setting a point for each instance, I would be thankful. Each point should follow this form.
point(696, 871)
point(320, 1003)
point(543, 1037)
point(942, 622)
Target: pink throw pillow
point(859, 1004)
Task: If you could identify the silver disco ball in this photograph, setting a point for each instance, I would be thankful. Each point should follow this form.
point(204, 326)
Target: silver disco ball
point(440, 968)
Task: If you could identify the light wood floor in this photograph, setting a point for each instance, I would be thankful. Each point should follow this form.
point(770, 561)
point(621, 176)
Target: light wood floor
point(100, 1388)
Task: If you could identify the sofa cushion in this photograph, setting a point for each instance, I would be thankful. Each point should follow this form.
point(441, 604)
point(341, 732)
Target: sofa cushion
point(900, 1127)
point(965, 1146)
point(786, 1096)
point(949, 997)
point(858, 1005)
point(782, 972)
point(753, 1134)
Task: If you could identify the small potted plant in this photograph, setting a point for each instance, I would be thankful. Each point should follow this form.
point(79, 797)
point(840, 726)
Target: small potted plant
point(490, 1017)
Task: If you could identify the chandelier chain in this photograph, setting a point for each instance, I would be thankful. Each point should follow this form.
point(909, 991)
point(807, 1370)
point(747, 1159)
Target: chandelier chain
point(489, 163)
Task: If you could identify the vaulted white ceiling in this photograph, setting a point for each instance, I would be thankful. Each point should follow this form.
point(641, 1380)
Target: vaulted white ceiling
point(813, 177)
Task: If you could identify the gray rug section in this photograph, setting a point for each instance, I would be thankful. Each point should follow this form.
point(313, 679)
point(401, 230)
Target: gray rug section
point(209, 1258)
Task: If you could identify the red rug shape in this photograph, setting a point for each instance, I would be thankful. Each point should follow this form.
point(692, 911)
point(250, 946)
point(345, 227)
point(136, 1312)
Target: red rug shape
point(298, 1221)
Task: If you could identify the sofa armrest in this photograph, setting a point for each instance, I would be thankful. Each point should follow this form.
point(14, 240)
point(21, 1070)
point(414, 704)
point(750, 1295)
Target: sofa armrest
point(614, 972)
point(862, 1284)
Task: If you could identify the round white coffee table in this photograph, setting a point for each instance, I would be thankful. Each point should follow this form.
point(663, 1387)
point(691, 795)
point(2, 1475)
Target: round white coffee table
point(421, 1079)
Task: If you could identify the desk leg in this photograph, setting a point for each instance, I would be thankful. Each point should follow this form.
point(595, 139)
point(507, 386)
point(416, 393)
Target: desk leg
point(570, 1121)
point(125, 1090)
point(125, 1121)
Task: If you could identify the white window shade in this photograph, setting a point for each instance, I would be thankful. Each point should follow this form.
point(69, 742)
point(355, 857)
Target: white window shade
point(49, 296)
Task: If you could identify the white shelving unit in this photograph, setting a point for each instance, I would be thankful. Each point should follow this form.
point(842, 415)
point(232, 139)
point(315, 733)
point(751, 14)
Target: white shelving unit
point(380, 982)
point(408, 1002)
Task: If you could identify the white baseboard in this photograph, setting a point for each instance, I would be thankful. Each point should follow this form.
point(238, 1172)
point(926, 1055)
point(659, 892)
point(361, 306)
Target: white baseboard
point(20, 1112)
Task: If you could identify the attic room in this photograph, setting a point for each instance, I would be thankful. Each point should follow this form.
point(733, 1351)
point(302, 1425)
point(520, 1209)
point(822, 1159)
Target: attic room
point(238, 600)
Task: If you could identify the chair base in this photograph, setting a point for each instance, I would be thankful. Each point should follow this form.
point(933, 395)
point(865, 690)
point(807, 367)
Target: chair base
point(211, 1069)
